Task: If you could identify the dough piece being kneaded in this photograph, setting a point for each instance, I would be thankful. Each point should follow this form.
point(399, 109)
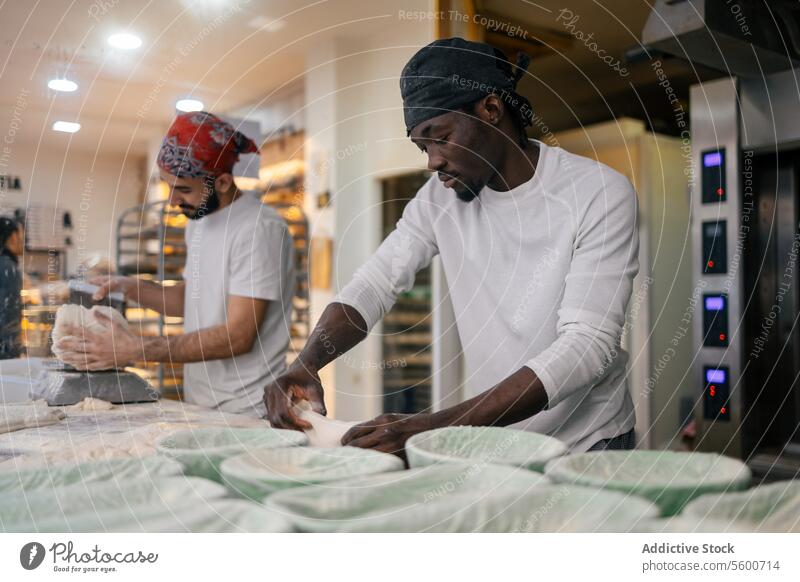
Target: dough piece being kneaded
point(80, 317)
point(326, 432)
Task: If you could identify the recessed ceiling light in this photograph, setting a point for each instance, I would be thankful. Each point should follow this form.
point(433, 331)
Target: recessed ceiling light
point(266, 24)
point(64, 85)
point(188, 105)
point(275, 26)
point(125, 40)
point(66, 126)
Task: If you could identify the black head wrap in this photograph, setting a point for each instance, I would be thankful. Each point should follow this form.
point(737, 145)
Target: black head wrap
point(450, 73)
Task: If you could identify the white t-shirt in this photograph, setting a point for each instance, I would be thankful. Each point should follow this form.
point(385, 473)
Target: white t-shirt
point(244, 249)
point(539, 276)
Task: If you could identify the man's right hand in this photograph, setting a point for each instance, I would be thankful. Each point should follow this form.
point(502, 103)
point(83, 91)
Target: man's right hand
point(298, 383)
point(109, 284)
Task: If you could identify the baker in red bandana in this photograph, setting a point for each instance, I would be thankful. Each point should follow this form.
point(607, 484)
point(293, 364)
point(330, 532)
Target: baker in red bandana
point(238, 280)
point(201, 150)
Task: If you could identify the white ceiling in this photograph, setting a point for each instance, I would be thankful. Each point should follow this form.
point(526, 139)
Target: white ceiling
point(216, 50)
point(221, 52)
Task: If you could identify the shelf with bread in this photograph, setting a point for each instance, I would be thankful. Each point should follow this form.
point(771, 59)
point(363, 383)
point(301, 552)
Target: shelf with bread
point(150, 246)
point(280, 185)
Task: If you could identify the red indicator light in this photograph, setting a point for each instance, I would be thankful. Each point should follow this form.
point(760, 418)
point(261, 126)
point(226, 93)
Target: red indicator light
point(712, 390)
point(723, 410)
point(720, 192)
point(710, 264)
point(722, 337)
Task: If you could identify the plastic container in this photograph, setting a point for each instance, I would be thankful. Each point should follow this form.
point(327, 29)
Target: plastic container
point(483, 444)
point(259, 473)
point(669, 479)
point(63, 474)
point(403, 500)
point(766, 508)
point(202, 450)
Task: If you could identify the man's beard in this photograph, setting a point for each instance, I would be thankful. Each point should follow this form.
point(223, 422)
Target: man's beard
point(467, 196)
point(209, 204)
point(470, 193)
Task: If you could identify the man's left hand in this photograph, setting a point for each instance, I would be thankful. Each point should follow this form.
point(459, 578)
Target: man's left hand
point(84, 349)
point(387, 433)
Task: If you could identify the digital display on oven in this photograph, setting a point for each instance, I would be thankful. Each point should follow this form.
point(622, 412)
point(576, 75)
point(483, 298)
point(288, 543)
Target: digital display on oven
point(712, 159)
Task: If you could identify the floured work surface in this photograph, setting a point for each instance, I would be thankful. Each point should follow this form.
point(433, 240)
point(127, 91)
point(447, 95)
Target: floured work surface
point(128, 430)
point(30, 414)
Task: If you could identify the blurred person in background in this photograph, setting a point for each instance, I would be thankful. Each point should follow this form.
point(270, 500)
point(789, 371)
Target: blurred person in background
point(12, 244)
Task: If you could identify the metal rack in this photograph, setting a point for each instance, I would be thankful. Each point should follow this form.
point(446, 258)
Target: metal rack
point(298, 227)
point(407, 363)
point(151, 246)
point(281, 176)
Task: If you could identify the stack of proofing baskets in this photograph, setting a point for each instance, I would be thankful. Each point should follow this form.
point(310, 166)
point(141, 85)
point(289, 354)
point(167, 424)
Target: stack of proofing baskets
point(461, 479)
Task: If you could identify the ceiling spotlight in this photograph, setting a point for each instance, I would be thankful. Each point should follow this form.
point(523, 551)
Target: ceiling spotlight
point(66, 126)
point(188, 105)
point(64, 85)
point(262, 23)
point(125, 41)
point(275, 26)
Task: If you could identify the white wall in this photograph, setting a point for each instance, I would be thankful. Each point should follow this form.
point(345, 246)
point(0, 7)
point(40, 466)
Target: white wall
point(280, 110)
point(95, 189)
point(355, 132)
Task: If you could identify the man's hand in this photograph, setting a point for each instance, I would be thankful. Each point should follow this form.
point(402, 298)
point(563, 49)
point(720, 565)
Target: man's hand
point(388, 433)
point(339, 328)
point(298, 383)
point(110, 284)
point(84, 349)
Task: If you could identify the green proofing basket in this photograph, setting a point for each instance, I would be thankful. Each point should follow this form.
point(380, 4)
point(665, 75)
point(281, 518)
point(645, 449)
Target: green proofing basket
point(483, 444)
point(202, 450)
point(69, 506)
point(551, 509)
point(257, 474)
point(688, 524)
point(401, 500)
point(191, 515)
point(62, 474)
point(766, 508)
point(669, 479)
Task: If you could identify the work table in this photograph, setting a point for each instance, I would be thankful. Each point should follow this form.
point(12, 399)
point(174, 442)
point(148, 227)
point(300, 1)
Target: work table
point(127, 430)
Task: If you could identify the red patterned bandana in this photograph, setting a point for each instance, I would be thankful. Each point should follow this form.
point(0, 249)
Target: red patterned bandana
point(200, 144)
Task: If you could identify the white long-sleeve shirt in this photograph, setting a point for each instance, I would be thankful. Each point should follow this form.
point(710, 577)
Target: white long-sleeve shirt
point(539, 276)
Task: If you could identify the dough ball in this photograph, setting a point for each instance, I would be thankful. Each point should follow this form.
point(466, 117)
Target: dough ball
point(81, 318)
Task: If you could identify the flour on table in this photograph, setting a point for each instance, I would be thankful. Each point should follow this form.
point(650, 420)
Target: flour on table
point(90, 404)
point(325, 432)
point(29, 414)
point(124, 431)
point(139, 442)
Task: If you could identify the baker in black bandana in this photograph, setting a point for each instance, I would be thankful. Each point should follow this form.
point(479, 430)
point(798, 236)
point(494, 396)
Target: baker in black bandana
point(461, 106)
point(539, 247)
